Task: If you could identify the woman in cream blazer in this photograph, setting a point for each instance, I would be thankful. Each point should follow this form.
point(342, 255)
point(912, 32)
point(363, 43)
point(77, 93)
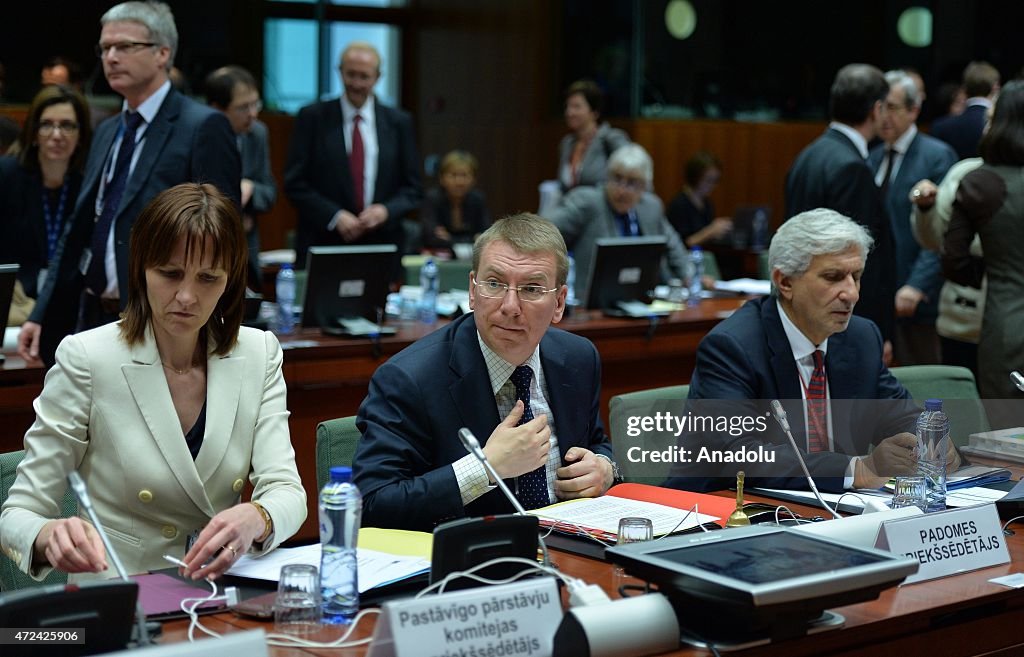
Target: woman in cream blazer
point(121, 399)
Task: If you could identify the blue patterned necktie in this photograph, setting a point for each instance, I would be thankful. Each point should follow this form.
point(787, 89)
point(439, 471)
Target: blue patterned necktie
point(532, 487)
point(96, 274)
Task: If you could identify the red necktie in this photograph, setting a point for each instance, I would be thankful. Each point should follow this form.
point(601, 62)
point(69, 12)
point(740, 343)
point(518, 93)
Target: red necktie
point(356, 162)
point(817, 411)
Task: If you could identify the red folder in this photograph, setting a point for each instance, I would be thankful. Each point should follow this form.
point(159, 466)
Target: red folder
point(713, 505)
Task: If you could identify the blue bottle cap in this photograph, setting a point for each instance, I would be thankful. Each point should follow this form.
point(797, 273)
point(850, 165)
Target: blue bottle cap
point(341, 474)
point(933, 404)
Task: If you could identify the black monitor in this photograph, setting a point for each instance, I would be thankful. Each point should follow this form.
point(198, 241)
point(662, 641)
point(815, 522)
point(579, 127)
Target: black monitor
point(759, 582)
point(624, 269)
point(346, 283)
point(8, 274)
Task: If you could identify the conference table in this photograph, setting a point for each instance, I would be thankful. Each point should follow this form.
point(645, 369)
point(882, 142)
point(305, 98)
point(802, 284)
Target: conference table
point(328, 376)
point(959, 615)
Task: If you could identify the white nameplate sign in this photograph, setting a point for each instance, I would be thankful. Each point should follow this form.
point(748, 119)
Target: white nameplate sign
point(948, 542)
point(510, 619)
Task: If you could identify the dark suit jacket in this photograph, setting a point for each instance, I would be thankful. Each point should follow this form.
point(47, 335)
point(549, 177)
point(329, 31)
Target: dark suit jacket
point(746, 361)
point(962, 131)
point(255, 155)
point(926, 157)
point(830, 173)
point(420, 398)
point(318, 183)
point(22, 224)
point(187, 142)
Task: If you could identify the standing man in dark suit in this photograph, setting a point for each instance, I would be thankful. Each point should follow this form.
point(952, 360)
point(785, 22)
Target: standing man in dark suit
point(160, 139)
point(905, 157)
point(833, 173)
point(353, 169)
point(233, 91)
point(529, 392)
point(803, 346)
point(963, 131)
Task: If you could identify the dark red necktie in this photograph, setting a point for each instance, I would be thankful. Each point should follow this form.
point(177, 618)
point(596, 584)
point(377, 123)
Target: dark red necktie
point(356, 162)
point(817, 409)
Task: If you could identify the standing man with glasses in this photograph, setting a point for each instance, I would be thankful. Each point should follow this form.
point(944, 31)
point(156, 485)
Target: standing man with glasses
point(623, 206)
point(158, 140)
point(530, 393)
point(232, 90)
point(353, 171)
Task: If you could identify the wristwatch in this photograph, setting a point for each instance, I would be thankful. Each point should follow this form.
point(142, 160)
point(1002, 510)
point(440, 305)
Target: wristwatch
point(616, 475)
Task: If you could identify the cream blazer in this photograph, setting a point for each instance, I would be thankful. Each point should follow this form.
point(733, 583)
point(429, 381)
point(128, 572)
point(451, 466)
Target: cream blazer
point(106, 410)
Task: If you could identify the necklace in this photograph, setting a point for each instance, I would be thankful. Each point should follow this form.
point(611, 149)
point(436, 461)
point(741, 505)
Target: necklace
point(176, 370)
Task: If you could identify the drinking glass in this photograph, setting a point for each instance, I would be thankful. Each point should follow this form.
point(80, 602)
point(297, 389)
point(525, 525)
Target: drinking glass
point(909, 491)
point(631, 530)
point(297, 608)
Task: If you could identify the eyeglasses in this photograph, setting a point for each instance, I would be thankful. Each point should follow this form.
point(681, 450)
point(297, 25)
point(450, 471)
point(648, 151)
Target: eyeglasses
point(124, 47)
point(492, 289)
point(631, 184)
point(47, 128)
point(255, 106)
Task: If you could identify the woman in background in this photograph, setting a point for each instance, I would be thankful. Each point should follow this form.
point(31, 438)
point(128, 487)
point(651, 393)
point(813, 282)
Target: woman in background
point(988, 203)
point(165, 414)
point(584, 152)
point(456, 211)
point(41, 177)
point(691, 213)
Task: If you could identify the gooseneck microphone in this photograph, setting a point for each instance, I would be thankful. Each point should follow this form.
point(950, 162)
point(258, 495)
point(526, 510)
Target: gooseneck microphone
point(472, 446)
point(1018, 380)
point(80, 491)
point(780, 416)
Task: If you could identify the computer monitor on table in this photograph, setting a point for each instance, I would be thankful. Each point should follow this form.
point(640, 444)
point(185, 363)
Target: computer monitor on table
point(760, 582)
point(346, 287)
point(625, 269)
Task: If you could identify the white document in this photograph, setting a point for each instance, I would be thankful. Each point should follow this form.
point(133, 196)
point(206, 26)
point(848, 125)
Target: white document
point(973, 496)
point(603, 514)
point(375, 568)
point(745, 286)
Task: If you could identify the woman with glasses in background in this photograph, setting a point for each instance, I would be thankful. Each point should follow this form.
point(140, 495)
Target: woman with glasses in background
point(39, 181)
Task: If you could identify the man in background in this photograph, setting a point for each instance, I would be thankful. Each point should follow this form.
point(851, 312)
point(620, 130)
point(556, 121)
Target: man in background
point(232, 90)
point(833, 173)
point(963, 131)
point(159, 139)
point(353, 170)
point(905, 157)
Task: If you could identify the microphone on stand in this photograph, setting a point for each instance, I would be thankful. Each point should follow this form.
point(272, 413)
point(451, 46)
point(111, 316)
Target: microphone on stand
point(1018, 380)
point(780, 416)
point(80, 491)
point(472, 446)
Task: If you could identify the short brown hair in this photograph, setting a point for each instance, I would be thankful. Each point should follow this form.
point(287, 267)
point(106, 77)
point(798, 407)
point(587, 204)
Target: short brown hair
point(194, 212)
point(590, 92)
point(526, 233)
point(698, 165)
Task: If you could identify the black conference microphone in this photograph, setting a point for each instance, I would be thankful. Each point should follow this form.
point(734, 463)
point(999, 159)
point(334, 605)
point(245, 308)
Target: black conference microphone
point(80, 491)
point(1017, 379)
point(780, 416)
point(472, 446)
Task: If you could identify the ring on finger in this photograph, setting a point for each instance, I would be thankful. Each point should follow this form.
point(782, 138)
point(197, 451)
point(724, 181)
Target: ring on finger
point(234, 552)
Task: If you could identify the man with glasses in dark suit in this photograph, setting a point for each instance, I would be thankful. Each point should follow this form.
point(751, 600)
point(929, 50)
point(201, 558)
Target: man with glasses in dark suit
point(159, 139)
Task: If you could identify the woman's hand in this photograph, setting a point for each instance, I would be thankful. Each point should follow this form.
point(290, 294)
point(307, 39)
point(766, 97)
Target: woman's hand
point(71, 545)
point(227, 536)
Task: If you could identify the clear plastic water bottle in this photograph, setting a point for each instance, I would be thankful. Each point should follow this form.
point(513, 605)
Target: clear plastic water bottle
point(341, 509)
point(570, 282)
point(285, 290)
point(696, 274)
point(429, 286)
point(933, 445)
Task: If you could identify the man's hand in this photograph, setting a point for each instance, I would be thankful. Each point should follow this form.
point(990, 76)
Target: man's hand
point(887, 353)
point(349, 226)
point(247, 188)
point(71, 545)
point(373, 216)
point(512, 450)
point(587, 475)
point(896, 455)
point(907, 299)
point(28, 342)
